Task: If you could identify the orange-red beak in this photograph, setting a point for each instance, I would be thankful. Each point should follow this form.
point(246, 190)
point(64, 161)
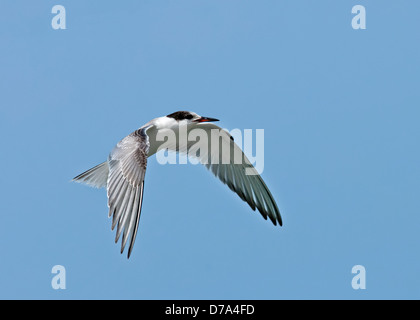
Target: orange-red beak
point(205, 119)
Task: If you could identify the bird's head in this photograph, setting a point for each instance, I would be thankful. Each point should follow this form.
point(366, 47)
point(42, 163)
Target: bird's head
point(188, 117)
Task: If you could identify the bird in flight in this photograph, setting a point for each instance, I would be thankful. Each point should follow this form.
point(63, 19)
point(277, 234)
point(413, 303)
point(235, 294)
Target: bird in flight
point(124, 171)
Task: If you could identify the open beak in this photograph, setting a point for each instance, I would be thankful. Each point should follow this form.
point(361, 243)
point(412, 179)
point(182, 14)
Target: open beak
point(205, 119)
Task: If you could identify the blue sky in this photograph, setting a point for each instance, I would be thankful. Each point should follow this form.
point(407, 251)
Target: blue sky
point(340, 112)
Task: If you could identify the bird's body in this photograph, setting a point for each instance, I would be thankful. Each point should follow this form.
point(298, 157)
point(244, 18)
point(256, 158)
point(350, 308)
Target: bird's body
point(124, 172)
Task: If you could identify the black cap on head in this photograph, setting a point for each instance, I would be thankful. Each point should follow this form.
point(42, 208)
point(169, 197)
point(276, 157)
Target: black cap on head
point(181, 115)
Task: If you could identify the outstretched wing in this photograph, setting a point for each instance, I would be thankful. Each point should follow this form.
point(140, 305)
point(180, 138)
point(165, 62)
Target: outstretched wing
point(127, 167)
point(228, 163)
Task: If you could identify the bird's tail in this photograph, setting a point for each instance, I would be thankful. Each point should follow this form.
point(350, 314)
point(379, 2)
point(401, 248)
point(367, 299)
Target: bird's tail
point(96, 177)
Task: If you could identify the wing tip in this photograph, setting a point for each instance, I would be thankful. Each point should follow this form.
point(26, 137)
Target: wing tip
point(280, 222)
point(277, 219)
point(129, 253)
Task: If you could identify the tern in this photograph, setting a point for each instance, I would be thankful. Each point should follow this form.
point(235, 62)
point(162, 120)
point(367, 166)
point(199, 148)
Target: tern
point(124, 171)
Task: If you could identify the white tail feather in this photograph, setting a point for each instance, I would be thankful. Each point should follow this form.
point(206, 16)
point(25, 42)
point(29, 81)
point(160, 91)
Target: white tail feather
point(96, 177)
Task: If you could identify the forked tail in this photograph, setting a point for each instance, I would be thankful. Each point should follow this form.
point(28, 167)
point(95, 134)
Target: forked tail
point(96, 177)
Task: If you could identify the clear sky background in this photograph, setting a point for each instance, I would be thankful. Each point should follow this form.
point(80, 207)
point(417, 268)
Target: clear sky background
point(340, 109)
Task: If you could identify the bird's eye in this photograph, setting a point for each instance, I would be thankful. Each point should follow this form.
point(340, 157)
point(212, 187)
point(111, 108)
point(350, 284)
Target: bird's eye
point(189, 117)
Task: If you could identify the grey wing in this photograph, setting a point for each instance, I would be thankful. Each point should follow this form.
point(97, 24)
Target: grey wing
point(235, 170)
point(127, 168)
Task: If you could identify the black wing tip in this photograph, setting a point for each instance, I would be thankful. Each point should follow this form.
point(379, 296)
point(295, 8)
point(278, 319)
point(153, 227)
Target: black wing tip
point(279, 220)
point(274, 219)
point(123, 248)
